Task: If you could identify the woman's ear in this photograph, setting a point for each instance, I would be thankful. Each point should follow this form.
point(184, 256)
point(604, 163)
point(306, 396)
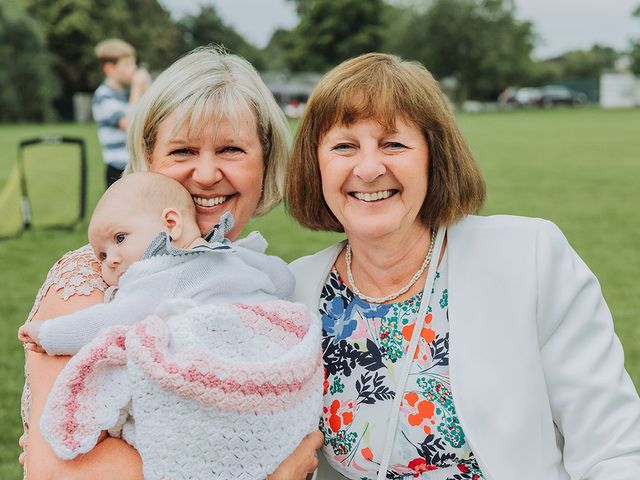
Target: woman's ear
point(173, 221)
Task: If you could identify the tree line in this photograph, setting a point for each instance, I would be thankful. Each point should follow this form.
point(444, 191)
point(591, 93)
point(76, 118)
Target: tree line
point(46, 46)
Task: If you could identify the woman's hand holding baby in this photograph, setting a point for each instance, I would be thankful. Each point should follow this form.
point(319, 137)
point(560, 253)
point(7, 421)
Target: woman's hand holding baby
point(302, 462)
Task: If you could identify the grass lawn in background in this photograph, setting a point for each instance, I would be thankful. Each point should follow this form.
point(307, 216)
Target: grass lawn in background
point(579, 168)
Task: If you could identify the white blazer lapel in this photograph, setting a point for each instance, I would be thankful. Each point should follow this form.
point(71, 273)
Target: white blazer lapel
point(493, 347)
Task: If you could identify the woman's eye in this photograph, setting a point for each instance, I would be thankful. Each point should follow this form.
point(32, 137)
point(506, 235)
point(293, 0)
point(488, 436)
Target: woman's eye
point(395, 145)
point(230, 149)
point(120, 237)
point(342, 147)
point(180, 152)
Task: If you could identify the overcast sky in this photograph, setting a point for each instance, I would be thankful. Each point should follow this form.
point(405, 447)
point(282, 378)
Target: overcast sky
point(561, 24)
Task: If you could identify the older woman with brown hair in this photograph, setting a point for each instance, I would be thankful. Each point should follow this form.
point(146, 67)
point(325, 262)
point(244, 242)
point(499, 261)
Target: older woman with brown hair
point(455, 346)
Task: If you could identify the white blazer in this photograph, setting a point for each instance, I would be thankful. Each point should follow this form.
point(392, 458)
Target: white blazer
point(537, 372)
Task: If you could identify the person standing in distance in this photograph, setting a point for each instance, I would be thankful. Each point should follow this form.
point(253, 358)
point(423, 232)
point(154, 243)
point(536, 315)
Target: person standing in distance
point(123, 85)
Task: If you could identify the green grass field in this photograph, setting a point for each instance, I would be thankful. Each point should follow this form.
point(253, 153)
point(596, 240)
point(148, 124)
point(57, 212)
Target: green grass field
point(578, 168)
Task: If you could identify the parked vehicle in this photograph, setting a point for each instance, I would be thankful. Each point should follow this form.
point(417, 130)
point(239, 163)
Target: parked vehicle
point(560, 95)
point(527, 96)
point(520, 97)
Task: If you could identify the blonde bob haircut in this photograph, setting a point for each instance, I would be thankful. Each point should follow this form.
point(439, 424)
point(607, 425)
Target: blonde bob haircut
point(384, 87)
point(209, 85)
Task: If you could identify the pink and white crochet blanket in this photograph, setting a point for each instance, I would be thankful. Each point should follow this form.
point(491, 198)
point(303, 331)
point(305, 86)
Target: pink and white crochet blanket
point(213, 391)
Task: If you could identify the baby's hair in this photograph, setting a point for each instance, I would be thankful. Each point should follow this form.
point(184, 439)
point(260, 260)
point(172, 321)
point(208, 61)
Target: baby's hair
point(150, 191)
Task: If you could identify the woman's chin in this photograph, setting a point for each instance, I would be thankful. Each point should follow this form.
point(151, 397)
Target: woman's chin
point(371, 230)
point(209, 217)
point(395, 228)
point(206, 222)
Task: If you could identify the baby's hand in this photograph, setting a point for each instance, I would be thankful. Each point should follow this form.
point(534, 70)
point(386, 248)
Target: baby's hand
point(28, 334)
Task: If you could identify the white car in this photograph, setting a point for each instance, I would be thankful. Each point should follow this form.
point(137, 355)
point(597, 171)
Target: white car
point(527, 97)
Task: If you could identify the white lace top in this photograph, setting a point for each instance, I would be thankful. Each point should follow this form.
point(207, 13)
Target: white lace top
point(76, 273)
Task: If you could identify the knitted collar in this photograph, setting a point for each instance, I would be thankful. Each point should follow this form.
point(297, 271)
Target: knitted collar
point(162, 244)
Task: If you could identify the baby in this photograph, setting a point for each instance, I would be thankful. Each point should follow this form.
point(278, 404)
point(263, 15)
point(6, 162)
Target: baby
point(205, 362)
point(147, 216)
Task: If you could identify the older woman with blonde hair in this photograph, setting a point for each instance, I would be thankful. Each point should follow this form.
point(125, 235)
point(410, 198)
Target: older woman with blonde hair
point(210, 123)
point(455, 346)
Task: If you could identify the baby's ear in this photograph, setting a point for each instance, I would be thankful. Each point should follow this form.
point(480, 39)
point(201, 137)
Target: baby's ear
point(173, 222)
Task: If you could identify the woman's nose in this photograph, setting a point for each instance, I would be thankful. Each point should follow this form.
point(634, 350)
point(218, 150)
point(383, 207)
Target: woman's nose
point(370, 165)
point(207, 171)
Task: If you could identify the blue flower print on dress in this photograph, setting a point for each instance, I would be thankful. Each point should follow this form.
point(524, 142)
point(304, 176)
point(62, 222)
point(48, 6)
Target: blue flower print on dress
point(335, 322)
point(340, 322)
point(366, 309)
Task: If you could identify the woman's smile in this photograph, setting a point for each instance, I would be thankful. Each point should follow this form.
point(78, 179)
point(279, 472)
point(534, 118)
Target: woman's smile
point(369, 197)
point(210, 201)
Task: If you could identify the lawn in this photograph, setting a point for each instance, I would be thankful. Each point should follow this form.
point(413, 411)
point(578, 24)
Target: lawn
point(579, 168)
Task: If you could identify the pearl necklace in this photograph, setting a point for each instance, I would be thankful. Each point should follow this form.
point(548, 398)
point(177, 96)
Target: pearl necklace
point(404, 289)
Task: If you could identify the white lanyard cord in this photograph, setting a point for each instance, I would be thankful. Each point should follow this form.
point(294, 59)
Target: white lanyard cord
point(408, 361)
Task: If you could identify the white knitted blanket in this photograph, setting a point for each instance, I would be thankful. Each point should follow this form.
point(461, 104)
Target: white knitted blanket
point(215, 391)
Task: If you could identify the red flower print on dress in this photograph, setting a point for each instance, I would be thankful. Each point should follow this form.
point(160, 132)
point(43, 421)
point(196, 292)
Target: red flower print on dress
point(419, 466)
point(421, 411)
point(326, 382)
point(427, 335)
point(338, 415)
point(367, 453)
point(465, 469)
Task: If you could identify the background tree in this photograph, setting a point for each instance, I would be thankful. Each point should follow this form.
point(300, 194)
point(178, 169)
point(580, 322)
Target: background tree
point(480, 43)
point(207, 27)
point(589, 63)
point(330, 32)
point(148, 26)
point(396, 19)
point(574, 65)
point(27, 84)
point(73, 28)
point(544, 72)
point(634, 53)
point(280, 43)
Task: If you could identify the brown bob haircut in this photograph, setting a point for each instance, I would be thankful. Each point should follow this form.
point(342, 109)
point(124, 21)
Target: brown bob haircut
point(384, 87)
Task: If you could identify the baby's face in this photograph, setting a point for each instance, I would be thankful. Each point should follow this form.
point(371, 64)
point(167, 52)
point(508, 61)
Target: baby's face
point(119, 239)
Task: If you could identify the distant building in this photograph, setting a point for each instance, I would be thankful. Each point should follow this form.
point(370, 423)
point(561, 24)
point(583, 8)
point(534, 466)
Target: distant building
point(291, 90)
point(619, 90)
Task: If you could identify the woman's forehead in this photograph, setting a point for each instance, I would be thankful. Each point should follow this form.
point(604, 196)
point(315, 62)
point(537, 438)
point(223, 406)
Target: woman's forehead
point(198, 123)
point(359, 108)
point(388, 124)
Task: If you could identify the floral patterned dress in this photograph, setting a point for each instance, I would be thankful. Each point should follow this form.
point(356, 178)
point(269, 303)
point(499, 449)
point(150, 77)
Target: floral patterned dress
point(364, 345)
